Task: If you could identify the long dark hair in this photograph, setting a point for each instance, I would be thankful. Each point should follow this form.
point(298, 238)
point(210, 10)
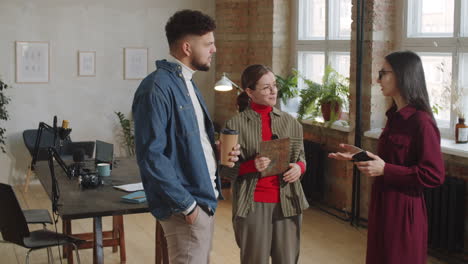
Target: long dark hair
point(249, 79)
point(408, 69)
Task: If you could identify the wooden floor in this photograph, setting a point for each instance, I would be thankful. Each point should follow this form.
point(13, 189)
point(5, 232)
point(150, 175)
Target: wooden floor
point(325, 239)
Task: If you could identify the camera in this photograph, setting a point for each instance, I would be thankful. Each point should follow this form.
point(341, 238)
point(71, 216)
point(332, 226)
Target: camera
point(89, 180)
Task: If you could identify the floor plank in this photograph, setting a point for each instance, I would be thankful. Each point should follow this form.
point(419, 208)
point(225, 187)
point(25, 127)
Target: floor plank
point(325, 239)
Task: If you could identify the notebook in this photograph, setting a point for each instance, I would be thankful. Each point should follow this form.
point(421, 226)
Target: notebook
point(134, 197)
point(278, 152)
point(132, 187)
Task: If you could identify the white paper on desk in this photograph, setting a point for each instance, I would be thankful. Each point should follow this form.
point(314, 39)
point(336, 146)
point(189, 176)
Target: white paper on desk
point(132, 187)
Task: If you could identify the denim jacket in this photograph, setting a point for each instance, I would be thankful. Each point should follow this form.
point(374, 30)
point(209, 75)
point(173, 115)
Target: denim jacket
point(169, 152)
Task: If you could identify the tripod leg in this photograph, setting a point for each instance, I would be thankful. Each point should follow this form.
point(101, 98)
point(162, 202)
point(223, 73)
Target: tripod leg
point(28, 178)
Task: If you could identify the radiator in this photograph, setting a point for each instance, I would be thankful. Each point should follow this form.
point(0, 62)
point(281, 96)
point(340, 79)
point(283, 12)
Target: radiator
point(313, 181)
point(446, 215)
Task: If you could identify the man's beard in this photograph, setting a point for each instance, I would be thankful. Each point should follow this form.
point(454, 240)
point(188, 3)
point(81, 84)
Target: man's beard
point(200, 66)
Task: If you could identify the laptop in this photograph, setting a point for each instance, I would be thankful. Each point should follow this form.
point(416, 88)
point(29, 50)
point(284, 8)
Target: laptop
point(104, 152)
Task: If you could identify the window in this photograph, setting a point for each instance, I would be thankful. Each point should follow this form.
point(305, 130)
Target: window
point(461, 95)
point(438, 31)
point(323, 37)
point(464, 19)
point(430, 18)
point(438, 72)
point(312, 17)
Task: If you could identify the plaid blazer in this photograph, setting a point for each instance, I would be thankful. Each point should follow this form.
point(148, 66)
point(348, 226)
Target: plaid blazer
point(249, 125)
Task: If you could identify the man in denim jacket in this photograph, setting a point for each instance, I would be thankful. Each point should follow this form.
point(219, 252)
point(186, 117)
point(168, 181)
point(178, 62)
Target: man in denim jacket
point(174, 139)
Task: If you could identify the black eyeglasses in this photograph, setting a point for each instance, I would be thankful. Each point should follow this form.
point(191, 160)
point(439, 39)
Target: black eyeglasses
point(382, 73)
point(269, 89)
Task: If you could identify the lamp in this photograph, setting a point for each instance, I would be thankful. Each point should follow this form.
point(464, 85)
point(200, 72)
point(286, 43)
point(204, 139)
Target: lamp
point(61, 132)
point(224, 84)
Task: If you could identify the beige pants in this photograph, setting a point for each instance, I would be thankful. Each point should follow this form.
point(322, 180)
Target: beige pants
point(187, 244)
point(266, 233)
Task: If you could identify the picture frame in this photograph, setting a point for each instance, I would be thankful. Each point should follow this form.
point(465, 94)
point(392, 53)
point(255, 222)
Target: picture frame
point(86, 63)
point(32, 62)
point(135, 63)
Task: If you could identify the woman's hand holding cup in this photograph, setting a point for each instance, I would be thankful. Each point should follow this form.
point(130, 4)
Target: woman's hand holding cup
point(228, 148)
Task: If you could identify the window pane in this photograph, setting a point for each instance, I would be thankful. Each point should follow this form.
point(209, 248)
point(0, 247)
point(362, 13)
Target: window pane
point(464, 19)
point(430, 18)
point(311, 19)
point(310, 65)
point(461, 97)
point(464, 69)
point(340, 62)
point(438, 72)
point(340, 19)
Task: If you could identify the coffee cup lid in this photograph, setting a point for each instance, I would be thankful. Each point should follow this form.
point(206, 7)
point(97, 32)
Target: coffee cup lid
point(229, 131)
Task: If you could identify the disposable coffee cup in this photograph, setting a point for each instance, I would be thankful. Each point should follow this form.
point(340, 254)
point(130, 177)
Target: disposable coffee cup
point(228, 139)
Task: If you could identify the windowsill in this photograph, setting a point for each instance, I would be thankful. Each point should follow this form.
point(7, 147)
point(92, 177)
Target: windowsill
point(448, 145)
point(339, 125)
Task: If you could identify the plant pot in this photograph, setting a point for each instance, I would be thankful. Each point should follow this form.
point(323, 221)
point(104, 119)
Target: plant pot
point(327, 110)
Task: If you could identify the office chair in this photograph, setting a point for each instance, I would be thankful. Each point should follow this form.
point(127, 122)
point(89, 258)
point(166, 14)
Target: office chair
point(14, 228)
point(37, 216)
point(47, 140)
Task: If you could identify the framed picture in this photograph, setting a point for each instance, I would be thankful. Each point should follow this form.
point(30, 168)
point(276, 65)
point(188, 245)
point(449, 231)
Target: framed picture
point(135, 63)
point(32, 62)
point(86, 63)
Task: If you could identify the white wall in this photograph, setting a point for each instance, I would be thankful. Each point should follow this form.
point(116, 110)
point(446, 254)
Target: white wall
point(104, 26)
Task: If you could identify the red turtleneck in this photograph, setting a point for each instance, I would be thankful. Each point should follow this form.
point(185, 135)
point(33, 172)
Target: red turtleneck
point(267, 189)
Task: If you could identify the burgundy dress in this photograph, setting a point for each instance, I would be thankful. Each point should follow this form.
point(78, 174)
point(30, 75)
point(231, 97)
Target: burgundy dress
point(410, 147)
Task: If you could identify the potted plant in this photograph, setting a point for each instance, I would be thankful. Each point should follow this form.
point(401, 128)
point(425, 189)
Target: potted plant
point(128, 139)
point(327, 98)
point(4, 100)
point(460, 101)
point(287, 86)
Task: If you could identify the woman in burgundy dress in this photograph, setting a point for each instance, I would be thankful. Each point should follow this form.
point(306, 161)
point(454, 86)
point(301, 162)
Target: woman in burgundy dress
point(409, 159)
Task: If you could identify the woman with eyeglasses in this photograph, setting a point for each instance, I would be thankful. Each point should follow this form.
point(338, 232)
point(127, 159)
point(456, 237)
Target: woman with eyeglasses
point(267, 210)
point(409, 159)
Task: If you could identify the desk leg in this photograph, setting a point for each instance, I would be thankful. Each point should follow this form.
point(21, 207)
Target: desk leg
point(161, 254)
point(157, 248)
point(98, 253)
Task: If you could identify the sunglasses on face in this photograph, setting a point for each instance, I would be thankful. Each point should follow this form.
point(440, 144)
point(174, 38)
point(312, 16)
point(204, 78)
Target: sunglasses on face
point(382, 73)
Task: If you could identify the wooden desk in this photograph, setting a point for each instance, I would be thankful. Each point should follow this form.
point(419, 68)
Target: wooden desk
point(78, 203)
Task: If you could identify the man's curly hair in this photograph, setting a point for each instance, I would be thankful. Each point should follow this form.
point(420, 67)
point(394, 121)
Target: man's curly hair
point(188, 22)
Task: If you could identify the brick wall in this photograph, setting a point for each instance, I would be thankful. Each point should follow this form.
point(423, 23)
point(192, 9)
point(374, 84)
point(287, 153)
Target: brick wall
point(281, 61)
point(232, 37)
point(244, 36)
